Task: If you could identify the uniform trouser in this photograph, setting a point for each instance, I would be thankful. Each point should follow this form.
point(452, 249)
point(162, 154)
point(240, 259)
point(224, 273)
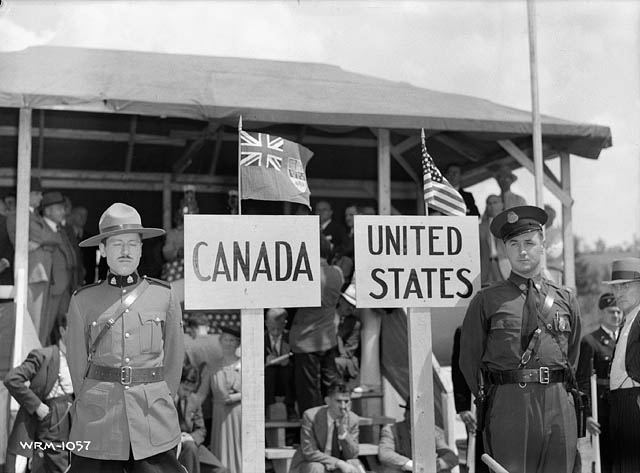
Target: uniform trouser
point(52, 431)
point(165, 462)
point(625, 430)
point(314, 373)
point(605, 432)
point(189, 457)
point(532, 429)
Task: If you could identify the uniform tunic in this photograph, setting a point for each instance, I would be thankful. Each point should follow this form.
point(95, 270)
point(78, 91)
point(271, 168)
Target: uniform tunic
point(117, 419)
point(530, 428)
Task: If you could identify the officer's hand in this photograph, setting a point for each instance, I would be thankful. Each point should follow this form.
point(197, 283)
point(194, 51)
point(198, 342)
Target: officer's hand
point(469, 420)
point(42, 411)
point(185, 437)
point(345, 467)
point(408, 466)
point(592, 426)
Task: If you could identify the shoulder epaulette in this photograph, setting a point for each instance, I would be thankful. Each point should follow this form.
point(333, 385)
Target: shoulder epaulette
point(158, 282)
point(80, 289)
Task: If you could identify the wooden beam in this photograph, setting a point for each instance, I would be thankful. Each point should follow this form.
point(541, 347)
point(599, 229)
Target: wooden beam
point(132, 141)
point(98, 135)
point(396, 152)
point(167, 206)
point(384, 172)
point(407, 144)
point(216, 151)
point(40, 139)
point(567, 224)
point(510, 147)
point(458, 147)
point(187, 157)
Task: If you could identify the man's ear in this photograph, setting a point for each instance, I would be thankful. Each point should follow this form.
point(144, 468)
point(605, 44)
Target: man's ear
point(103, 251)
point(326, 400)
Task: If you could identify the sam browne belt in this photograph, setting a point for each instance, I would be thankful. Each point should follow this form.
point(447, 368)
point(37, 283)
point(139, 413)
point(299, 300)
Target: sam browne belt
point(542, 375)
point(125, 375)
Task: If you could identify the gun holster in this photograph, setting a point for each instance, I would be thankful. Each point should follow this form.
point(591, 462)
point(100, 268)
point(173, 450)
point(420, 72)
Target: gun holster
point(581, 405)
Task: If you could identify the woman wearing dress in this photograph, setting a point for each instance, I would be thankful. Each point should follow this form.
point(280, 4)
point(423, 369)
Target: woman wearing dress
point(223, 379)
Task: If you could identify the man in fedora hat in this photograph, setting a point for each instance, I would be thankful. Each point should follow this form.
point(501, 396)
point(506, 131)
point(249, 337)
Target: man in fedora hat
point(505, 177)
point(624, 377)
point(125, 350)
point(519, 344)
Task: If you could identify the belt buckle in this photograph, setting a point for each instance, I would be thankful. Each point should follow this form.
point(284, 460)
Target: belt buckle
point(544, 375)
point(125, 375)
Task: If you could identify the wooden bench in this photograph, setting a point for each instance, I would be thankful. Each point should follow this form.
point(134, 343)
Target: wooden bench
point(281, 456)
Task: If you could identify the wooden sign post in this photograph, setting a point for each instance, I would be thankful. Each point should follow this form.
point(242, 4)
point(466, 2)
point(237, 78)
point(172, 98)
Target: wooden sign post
point(417, 262)
point(251, 262)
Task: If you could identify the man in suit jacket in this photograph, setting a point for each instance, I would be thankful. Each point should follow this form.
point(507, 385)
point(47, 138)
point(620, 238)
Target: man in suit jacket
point(329, 436)
point(395, 448)
point(453, 173)
point(42, 387)
point(332, 230)
point(278, 376)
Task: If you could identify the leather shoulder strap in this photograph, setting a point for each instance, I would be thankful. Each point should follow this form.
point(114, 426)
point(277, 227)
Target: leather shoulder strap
point(120, 311)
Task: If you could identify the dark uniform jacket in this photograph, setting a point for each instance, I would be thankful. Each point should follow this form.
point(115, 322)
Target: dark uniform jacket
point(596, 353)
point(491, 330)
point(29, 384)
point(117, 418)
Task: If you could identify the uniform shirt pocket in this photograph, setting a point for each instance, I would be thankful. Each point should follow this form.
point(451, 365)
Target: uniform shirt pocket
point(103, 347)
point(151, 329)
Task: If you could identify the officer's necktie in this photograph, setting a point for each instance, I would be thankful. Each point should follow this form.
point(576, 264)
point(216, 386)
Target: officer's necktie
point(336, 451)
point(529, 322)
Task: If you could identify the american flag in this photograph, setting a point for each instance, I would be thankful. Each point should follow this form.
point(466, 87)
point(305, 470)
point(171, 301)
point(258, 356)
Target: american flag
point(256, 148)
point(438, 193)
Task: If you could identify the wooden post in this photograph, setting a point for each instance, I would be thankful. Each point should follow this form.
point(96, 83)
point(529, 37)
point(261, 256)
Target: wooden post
point(384, 172)
point(166, 202)
point(535, 106)
point(252, 340)
point(423, 443)
point(21, 259)
point(567, 227)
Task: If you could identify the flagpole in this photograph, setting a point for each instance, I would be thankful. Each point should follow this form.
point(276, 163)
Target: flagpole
point(535, 106)
point(239, 173)
point(426, 204)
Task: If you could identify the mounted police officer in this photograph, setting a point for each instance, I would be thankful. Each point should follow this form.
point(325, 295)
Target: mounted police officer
point(125, 351)
point(596, 355)
point(520, 340)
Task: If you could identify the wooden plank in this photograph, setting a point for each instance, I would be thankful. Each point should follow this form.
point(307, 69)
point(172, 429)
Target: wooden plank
point(22, 229)
point(133, 124)
point(406, 145)
point(457, 146)
point(384, 172)
point(252, 441)
point(567, 224)
point(40, 139)
point(98, 135)
point(423, 442)
point(524, 160)
point(167, 206)
point(216, 151)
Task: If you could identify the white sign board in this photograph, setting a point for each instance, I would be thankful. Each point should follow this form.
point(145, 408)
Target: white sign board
point(251, 261)
point(417, 261)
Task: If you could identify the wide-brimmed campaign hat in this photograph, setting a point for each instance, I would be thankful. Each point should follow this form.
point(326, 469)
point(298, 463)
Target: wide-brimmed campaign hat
point(349, 293)
point(118, 219)
point(624, 270)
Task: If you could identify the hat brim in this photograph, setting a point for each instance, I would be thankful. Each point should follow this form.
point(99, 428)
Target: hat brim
point(348, 298)
point(145, 233)
point(619, 281)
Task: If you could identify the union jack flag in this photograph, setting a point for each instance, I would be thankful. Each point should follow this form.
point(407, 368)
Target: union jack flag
point(439, 194)
point(256, 148)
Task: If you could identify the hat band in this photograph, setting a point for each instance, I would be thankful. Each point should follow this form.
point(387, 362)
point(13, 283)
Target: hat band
point(124, 226)
point(625, 275)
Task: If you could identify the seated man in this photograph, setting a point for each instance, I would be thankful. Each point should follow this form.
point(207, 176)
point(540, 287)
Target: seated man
point(395, 447)
point(329, 436)
point(278, 372)
point(194, 456)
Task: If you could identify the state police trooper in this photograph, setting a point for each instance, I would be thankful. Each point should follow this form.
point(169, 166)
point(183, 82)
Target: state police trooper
point(125, 351)
point(519, 343)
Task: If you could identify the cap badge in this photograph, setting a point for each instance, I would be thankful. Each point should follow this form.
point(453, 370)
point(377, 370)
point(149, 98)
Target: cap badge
point(113, 281)
point(512, 217)
point(129, 280)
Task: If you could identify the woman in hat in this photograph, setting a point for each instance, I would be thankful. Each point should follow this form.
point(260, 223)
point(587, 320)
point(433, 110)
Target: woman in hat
point(224, 381)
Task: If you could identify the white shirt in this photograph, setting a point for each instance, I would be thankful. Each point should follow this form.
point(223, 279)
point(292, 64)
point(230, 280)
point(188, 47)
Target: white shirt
point(53, 225)
point(63, 385)
point(276, 343)
point(619, 378)
point(330, 426)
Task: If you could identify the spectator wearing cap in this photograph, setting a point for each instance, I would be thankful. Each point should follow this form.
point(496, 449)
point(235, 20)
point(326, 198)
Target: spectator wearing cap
point(224, 382)
point(125, 347)
point(596, 355)
point(41, 239)
point(394, 448)
point(453, 173)
point(518, 364)
point(624, 377)
point(63, 263)
point(505, 178)
point(278, 372)
point(347, 362)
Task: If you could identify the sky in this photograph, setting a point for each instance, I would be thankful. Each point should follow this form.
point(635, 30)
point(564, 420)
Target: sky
point(588, 63)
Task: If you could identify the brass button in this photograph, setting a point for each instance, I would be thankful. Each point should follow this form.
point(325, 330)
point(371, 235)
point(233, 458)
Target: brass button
point(126, 335)
point(126, 387)
point(127, 360)
point(93, 323)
